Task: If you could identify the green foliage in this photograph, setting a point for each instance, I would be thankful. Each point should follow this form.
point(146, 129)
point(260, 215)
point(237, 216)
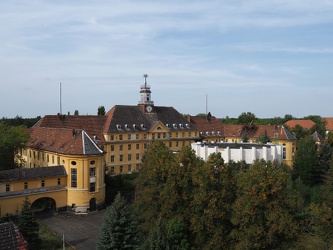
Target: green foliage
point(246, 118)
point(151, 196)
point(305, 163)
point(264, 138)
point(101, 110)
point(12, 140)
point(261, 212)
point(76, 112)
point(29, 226)
point(119, 229)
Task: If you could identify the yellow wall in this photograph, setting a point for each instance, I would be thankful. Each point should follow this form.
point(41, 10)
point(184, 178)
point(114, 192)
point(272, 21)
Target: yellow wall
point(125, 150)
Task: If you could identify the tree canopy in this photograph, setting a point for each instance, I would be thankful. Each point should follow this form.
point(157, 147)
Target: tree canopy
point(12, 140)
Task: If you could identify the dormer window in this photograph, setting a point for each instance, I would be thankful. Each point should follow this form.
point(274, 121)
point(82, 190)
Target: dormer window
point(167, 125)
point(118, 126)
point(181, 125)
point(174, 125)
point(127, 127)
point(201, 133)
point(213, 133)
point(134, 126)
point(187, 125)
point(143, 126)
point(207, 133)
point(218, 132)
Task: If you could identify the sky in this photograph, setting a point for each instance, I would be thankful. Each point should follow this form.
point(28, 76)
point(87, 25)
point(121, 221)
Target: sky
point(270, 58)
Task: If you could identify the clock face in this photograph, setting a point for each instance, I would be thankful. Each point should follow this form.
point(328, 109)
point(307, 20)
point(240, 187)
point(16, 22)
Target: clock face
point(149, 109)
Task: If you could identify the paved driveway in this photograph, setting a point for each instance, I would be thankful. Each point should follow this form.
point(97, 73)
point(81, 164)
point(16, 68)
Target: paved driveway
point(81, 231)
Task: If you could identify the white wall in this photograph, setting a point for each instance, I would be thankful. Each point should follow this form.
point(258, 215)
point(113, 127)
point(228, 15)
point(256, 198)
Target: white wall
point(268, 152)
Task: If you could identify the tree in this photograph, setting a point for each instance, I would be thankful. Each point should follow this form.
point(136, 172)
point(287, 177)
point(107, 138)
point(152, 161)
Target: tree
point(262, 214)
point(264, 138)
point(246, 118)
point(29, 226)
point(101, 110)
point(12, 141)
point(305, 162)
point(214, 195)
point(151, 197)
point(119, 229)
point(76, 112)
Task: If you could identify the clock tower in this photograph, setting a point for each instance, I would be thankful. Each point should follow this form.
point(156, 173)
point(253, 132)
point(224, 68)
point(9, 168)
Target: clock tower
point(146, 103)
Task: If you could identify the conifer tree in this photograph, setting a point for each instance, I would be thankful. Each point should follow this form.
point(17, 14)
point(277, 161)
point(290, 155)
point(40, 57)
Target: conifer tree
point(119, 229)
point(29, 226)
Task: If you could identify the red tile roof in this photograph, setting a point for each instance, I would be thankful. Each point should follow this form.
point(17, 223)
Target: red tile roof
point(62, 140)
point(211, 124)
point(307, 124)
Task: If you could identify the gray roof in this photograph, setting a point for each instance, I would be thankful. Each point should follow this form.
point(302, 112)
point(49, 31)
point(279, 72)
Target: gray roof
point(132, 118)
point(10, 237)
point(20, 174)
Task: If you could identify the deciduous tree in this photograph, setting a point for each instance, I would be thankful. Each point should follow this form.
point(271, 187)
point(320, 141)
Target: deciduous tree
point(12, 141)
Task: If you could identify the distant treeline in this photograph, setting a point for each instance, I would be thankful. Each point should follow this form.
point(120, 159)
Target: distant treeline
point(19, 121)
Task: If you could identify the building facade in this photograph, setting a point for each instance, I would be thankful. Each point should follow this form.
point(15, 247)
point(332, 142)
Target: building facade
point(212, 130)
point(237, 152)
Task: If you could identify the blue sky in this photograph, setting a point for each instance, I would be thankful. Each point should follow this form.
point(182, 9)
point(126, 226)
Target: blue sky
point(269, 57)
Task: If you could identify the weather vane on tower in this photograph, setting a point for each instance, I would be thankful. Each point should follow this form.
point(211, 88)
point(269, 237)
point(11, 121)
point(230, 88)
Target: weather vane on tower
point(145, 76)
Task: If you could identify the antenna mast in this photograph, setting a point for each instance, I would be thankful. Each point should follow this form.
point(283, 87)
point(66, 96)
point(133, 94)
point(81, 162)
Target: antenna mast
point(60, 101)
point(206, 104)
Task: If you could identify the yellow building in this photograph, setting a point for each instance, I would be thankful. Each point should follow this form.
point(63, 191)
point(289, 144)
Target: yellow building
point(212, 130)
point(43, 185)
point(81, 158)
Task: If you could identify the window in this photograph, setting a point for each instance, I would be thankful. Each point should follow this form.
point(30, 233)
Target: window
point(34, 155)
point(129, 168)
point(170, 135)
point(73, 177)
point(112, 158)
point(176, 143)
point(120, 157)
point(92, 162)
point(48, 158)
point(176, 134)
point(120, 137)
point(284, 153)
point(137, 146)
point(170, 144)
point(129, 136)
point(112, 147)
point(129, 147)
point(121, 147)
point(121, 169)
point(164, 135)
point(73, 163)
point(137, 136)
point(145, 136)
point(137, 156)
point(129, 157)
point(153, 136)
point(43, 183)
point(183, 134)
point(92, 171)
point(92, 187)
point(112, 170)
point(111, 138)
point(158, 135)
point(7, 188)
point(145, 146)
point(189, 134)
point(59, 181)
point(25, 185)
